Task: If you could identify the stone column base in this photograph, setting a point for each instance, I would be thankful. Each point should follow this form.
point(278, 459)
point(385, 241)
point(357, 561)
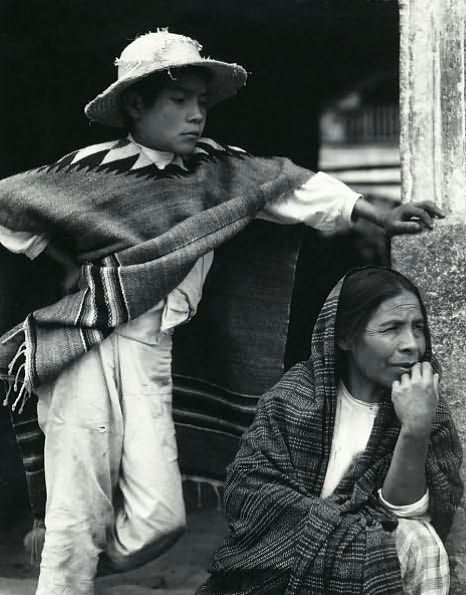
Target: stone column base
point(436, 262)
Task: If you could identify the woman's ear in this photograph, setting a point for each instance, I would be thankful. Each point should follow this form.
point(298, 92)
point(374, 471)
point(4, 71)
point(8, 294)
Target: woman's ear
point(344, 344)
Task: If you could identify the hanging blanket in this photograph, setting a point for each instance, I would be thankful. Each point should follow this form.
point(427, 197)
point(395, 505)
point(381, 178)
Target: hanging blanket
point(234, 349)
point(283, 537)
point(135, 230)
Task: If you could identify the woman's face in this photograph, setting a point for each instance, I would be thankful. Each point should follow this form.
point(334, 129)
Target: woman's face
point(392, 342)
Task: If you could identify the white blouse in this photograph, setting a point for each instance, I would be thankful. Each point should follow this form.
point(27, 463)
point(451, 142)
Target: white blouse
point(354, 420)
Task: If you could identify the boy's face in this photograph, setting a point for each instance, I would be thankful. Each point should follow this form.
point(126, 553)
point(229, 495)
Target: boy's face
point(176, 119)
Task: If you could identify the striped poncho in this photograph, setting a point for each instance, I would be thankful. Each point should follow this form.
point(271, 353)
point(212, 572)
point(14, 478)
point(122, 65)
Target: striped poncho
point(283, 537)
point(136, 231)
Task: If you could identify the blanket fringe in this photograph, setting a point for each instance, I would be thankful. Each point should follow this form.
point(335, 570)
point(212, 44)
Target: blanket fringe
point(215, 484)
point(34, 542)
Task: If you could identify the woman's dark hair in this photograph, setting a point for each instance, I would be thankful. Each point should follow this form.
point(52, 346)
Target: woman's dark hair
point(150, 86)
point(362, 293)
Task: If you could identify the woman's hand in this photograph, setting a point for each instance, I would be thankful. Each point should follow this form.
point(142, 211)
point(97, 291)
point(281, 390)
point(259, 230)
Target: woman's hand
point(415, 398)
point(411, 217)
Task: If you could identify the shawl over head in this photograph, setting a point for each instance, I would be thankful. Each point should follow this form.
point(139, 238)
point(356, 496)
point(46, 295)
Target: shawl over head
point(283, 537)
point(136, 231)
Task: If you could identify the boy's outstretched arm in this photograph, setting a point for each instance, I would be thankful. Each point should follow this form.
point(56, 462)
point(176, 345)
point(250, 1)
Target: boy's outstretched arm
point(408, 218)
point(330, 206)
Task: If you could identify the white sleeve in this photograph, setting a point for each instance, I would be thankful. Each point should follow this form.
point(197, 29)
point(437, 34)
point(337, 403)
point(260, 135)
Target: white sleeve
point(23, 242)
point(182, 302)
point(322, 202)
point(408, 511)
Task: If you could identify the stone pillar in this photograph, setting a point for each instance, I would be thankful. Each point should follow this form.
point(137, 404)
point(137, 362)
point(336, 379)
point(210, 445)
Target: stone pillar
point(432, 88)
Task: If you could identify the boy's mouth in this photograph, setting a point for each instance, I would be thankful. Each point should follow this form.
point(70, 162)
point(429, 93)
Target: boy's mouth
point(192, 134)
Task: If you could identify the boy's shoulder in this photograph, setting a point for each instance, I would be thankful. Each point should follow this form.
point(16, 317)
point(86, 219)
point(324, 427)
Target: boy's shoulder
point(209, 146)
point(100, 153)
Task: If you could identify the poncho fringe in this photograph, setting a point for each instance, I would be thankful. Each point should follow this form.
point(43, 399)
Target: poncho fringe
point(135, 230)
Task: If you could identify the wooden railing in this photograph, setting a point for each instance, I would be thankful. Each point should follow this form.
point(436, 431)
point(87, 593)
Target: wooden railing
point(369, 124)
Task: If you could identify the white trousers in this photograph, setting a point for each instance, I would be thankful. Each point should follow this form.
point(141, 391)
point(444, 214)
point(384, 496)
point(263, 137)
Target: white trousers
point(113, 483)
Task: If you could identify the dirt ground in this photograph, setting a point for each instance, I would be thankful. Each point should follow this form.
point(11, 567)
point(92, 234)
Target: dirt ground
point(178, 572)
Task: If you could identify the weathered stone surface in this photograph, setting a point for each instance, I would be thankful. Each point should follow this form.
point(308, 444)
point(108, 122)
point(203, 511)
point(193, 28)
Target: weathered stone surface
point(432, 92)
point(433, 159)
point(436, 262)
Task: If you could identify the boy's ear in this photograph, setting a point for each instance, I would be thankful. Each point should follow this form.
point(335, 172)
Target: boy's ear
point(133, 104)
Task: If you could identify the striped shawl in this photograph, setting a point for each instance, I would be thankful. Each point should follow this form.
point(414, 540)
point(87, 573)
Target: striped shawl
point(135, 230)
point(283, 537)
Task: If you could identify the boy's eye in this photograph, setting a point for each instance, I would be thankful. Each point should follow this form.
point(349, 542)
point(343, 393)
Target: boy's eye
point(178, 98)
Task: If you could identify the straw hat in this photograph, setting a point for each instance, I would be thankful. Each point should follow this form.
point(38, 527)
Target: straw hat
point(154, 52)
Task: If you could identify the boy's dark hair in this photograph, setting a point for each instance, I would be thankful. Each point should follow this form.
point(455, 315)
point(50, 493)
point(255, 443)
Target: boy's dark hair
point(150, 86)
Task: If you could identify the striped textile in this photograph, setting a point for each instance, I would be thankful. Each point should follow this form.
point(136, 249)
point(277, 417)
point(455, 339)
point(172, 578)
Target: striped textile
point(217, 379)
point(136, 231)
point(221, 364)
point(133, 252)
point(423, 560)
point(283, 536)
point(31, 447)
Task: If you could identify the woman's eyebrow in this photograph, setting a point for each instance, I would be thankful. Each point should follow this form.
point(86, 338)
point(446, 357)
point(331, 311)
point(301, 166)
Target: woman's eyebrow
point(388, 322)
point(398, 319)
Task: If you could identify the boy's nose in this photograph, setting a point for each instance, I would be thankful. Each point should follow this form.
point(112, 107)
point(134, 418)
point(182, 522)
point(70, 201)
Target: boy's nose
point(196, 113)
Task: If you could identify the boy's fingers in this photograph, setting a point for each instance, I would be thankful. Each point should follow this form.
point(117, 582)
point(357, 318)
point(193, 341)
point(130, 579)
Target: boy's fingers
point(406, 227)
point(430, 207)
point(419, 213)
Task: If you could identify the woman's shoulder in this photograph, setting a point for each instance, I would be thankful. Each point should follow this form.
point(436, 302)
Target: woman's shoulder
point(295, 389)
point(211, 146)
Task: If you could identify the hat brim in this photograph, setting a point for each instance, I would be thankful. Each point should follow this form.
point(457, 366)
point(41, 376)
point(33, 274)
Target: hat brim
point(226, 79)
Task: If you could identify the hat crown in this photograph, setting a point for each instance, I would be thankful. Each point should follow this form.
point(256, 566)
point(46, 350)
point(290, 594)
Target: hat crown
point(158, 50)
